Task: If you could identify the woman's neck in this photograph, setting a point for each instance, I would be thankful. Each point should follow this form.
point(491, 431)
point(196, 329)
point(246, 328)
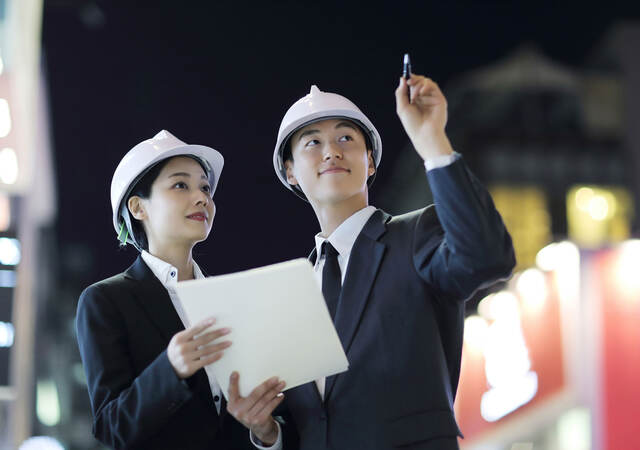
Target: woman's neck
point(176, 255)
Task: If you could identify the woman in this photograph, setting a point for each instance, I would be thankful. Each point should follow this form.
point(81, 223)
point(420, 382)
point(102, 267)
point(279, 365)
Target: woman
point(143, 368)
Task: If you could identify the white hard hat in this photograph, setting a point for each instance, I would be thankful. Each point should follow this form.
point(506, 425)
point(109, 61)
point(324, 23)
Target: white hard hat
point(137, 162)
point(316, 106)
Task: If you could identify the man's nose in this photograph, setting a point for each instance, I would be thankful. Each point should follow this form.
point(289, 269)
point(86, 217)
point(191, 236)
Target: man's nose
point(332, 150)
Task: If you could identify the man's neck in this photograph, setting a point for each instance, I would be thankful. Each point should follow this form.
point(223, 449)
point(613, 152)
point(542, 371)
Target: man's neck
point(331, 215)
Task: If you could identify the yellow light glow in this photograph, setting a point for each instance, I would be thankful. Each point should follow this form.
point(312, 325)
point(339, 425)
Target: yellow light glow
point(8, 166)
point(583, 197)
point(5, 118)
point(598, 207)
point(525, 213)
point(599, 215)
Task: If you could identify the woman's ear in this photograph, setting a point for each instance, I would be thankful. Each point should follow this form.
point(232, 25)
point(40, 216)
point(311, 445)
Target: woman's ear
point(372, 165)
point(291, 179)
point(136, 208)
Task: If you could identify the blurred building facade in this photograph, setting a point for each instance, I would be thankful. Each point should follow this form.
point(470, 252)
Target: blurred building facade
point(533, 130)
point(558, 147)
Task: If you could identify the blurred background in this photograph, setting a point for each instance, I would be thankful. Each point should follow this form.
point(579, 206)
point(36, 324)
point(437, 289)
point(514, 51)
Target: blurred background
point(544, 105)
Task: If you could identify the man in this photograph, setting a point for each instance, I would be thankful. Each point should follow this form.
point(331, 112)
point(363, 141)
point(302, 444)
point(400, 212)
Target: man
point(395, 285)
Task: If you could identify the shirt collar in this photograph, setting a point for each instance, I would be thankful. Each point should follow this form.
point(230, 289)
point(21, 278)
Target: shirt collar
point(345, 235)
point(165, 272)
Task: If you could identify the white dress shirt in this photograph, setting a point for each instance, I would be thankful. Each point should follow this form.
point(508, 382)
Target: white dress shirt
point(168, 276)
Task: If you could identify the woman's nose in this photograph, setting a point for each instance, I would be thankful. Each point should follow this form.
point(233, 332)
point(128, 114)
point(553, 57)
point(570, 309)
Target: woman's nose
point(203, 198)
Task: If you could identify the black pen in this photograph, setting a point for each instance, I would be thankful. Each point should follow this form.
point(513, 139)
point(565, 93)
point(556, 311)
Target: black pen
point(406, 72)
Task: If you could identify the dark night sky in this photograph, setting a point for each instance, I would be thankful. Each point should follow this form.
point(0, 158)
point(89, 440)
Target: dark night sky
point(223, 73)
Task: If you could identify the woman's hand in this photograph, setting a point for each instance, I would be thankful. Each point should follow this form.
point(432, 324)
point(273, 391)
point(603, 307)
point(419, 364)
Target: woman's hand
point(188, 353)
point(254, 411)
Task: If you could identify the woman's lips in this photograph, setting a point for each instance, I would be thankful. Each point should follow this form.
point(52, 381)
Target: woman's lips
point(198, 216)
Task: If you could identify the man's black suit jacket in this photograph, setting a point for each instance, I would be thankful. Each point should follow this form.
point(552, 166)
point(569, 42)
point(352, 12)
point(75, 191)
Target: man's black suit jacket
point(400, 320)
point(124, 325)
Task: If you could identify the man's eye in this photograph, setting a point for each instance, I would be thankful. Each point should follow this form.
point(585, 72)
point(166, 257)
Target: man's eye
point(345, 138)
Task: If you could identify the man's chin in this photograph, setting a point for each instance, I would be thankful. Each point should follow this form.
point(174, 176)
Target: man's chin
point(335, 197)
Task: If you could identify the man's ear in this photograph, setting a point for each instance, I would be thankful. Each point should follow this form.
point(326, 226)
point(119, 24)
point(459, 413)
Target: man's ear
point(372, 165)
point(136, 208)
point(291, 179)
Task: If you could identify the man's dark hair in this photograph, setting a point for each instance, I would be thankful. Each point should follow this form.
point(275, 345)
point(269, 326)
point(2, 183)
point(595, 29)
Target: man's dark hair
point(287, 154)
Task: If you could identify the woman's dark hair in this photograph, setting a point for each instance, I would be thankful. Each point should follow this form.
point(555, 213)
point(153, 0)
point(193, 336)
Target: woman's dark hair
point(142, 189)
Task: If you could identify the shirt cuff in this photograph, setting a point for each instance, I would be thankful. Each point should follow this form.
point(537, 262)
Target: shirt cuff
point(440, 161)
point(277, 445)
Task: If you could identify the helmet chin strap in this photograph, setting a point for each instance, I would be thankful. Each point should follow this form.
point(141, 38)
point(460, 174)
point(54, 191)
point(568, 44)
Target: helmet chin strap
point(124, 236)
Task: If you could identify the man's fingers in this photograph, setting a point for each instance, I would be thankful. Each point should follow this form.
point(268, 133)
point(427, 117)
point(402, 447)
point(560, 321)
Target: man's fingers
point(262, 389)
point(265, 413)
point(401, 95)
point(234, 390)
point(266, 399)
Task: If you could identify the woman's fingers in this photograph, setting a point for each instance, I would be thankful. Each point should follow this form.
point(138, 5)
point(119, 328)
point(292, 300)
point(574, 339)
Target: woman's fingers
point(188, 353)
point(191, 332)
point(209, 349)
point(210, 336)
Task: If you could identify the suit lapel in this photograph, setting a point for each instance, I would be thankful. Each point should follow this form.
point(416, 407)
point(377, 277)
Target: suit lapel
point(156, 303)
point(154, 299)
point(365, 259)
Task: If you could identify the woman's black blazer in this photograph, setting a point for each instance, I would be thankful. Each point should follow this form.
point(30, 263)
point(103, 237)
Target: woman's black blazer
point(124, 325)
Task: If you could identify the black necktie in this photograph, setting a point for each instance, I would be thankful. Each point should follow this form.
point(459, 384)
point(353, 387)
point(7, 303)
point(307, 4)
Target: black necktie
point(331, 278)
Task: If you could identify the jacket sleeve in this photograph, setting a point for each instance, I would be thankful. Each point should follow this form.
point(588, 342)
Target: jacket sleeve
point(127, 409)
point(466, 246)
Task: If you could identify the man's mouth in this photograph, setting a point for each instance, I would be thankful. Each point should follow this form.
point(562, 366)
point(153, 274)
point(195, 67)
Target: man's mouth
point(334, 170)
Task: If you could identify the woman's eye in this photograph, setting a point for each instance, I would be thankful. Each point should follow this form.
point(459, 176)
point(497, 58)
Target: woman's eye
point(312, 142)
point(206, 188)
point(345, 138)
point(180, 185)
